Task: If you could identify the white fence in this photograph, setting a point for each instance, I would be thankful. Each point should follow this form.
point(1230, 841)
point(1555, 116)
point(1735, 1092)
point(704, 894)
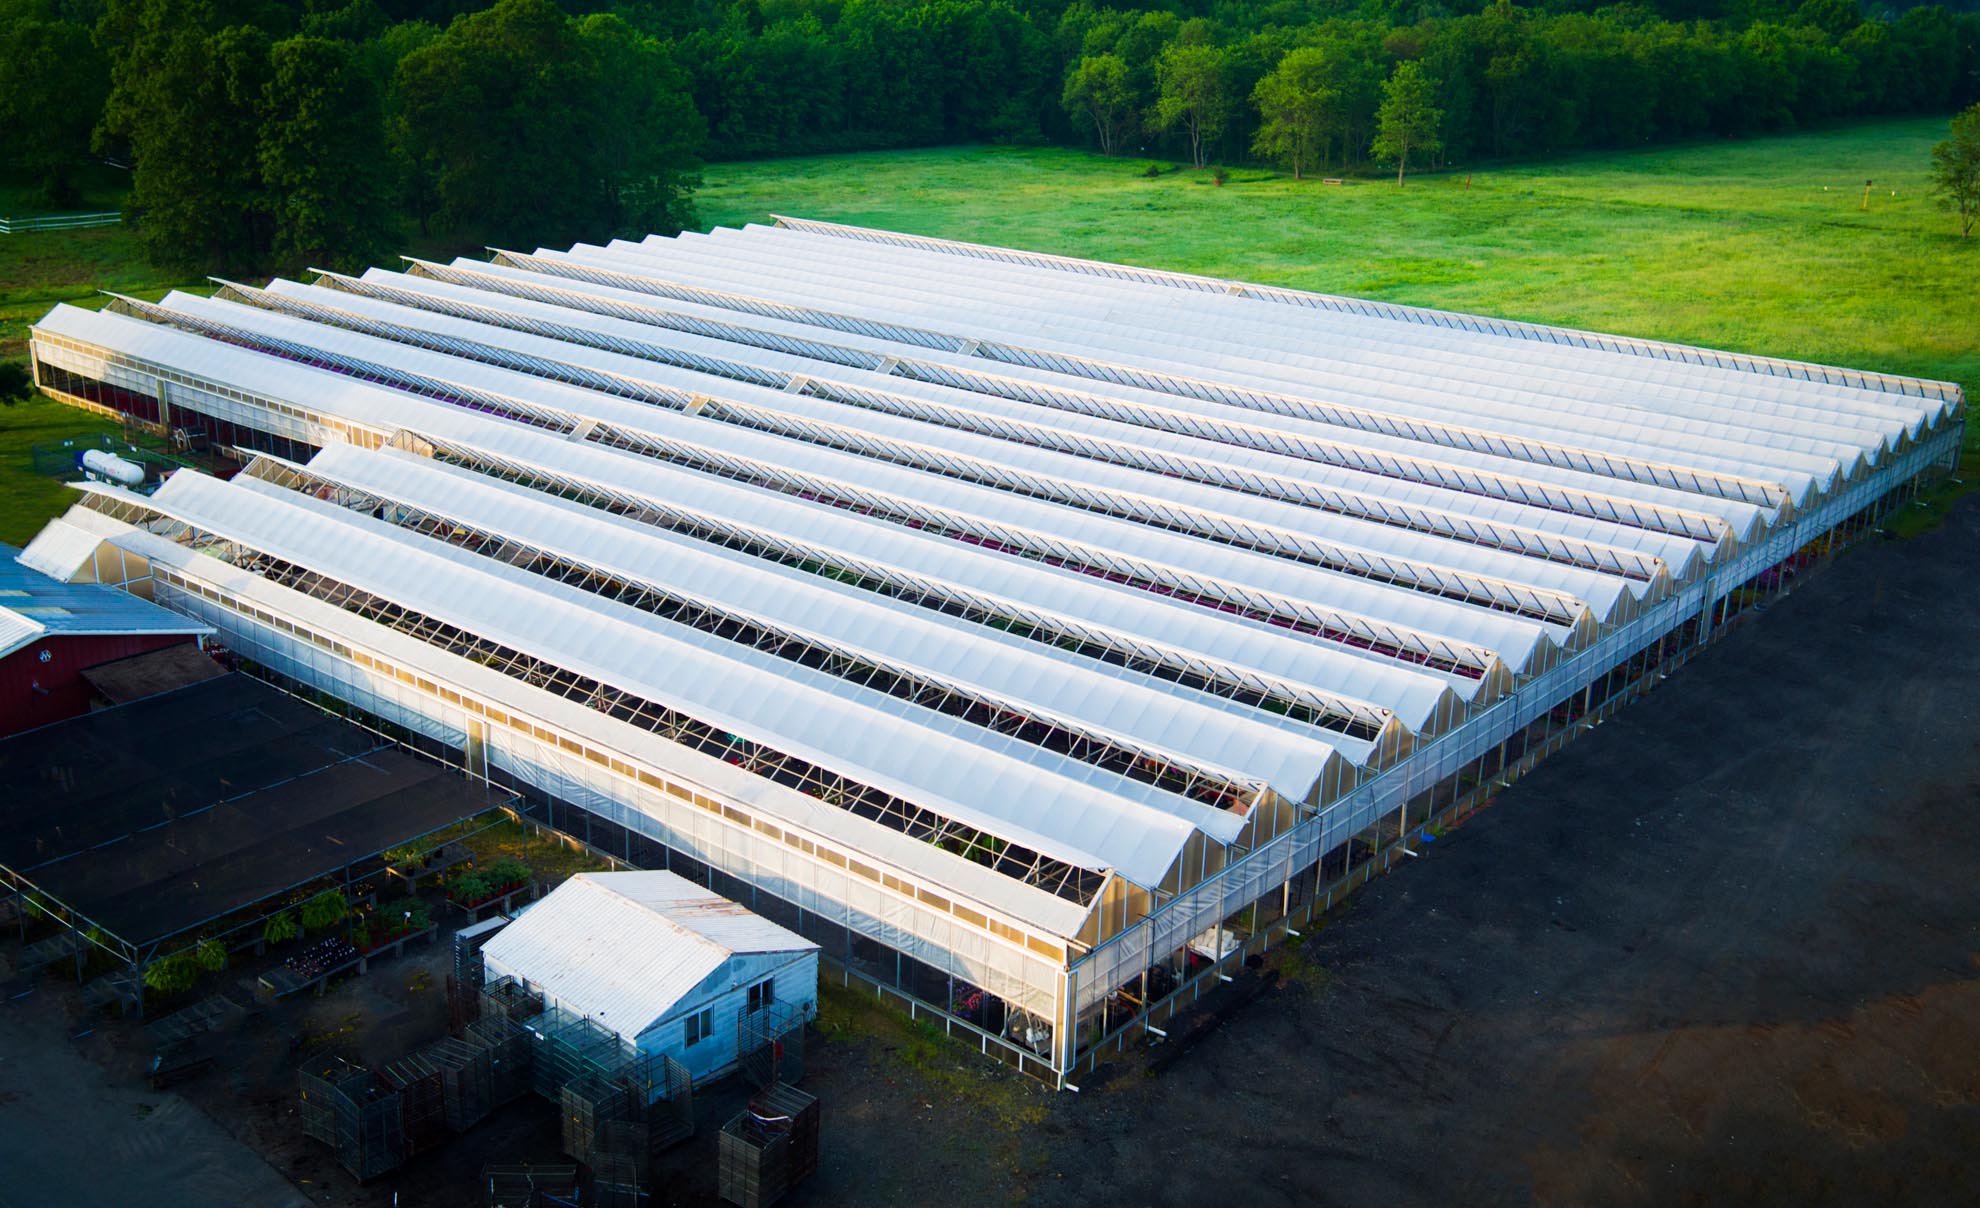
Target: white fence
point(59, 222)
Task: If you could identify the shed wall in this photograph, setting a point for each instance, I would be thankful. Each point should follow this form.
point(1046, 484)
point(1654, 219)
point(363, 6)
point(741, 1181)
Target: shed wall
point(725, 993)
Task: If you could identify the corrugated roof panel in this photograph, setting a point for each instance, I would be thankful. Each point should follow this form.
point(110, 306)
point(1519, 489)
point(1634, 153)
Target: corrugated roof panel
point(967, 880)
point(1050, 684)
point(61, 549)
point(1057, 806)
point(1481, 357)
point(981, 456)
point(784, 274)
point(624, 948)
point(34, 604)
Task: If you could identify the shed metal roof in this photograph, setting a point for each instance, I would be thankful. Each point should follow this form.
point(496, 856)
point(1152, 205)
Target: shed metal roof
point(34, 606)
point(624, 948)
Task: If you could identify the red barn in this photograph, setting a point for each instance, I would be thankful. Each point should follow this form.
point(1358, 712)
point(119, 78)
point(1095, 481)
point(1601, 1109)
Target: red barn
point(51, 632)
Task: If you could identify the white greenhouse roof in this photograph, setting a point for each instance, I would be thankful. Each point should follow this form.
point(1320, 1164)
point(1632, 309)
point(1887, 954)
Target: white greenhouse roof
point(967, 881)
point(986, 780)
point(1079, 556)
point(624, 948)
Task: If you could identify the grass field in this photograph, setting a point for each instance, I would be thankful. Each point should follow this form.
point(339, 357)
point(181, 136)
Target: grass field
point(28, 499)
point(1755, 246)
point(39, 270)
point(1759, 246)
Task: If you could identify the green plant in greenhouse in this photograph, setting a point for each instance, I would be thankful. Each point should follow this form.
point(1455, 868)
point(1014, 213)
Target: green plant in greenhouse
point(408, 858)
point(173, 975)
point(507, 871)
point(280, 928)
point(405, 916)
point(324, 909)
point(211, 956)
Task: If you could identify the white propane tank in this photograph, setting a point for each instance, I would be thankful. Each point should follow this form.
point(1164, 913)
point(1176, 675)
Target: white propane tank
point(112, 467)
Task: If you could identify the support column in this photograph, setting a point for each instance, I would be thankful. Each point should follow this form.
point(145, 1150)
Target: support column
point(1065, 1047)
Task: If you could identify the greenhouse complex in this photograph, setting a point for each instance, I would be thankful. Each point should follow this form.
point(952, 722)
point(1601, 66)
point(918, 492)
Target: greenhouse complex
point(1041, 637)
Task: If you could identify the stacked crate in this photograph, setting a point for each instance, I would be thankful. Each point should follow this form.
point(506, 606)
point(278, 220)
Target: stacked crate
point(506, 998)
point(351, 1110)
point(590, 1102)
point(769, 1148)
point(464, 1080)
point(573, 1045)
point(511, 1050)
point(422, 1101)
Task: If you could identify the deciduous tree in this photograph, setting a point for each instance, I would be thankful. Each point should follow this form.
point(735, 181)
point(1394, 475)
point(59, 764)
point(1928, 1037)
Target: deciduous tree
point(531, 126)
point(1296, 107)
point(1099, 93)
point(185, 101)
point(1193, 94)
point(51, 91)
point(1407, 120)
point(324, 159)
point(1956, 169)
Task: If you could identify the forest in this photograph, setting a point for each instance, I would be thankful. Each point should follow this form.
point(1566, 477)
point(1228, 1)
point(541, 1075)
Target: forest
point(278, 133)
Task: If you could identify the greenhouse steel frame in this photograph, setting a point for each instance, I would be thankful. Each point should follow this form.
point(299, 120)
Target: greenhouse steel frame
point(1014, 626)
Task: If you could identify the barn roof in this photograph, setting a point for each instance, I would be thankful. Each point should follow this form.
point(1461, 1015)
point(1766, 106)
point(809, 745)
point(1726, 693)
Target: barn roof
point(33, 606)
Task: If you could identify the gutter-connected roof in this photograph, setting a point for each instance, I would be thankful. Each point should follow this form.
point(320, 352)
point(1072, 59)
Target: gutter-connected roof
point(1092, 560)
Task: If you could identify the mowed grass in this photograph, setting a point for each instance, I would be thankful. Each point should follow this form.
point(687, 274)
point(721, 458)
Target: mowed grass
point(1757, 246)
point(28, 499)
point(37, 271)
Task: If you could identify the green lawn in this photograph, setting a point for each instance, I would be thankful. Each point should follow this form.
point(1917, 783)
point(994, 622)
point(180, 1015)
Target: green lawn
point(36, 272)
point(1759, 246)
point(28, 499)
point(39, 270)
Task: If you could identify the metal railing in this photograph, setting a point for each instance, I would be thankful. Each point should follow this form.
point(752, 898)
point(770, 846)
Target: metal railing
point(60, 222)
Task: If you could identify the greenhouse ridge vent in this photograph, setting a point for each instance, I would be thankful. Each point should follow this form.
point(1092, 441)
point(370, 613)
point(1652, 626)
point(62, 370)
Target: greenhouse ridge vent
point(1000, 622)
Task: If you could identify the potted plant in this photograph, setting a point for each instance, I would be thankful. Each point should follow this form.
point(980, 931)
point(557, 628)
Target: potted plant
point(477, 887)
point(325, 909)
point(211, 956)
point(280, 928)
point(468, 888)
point(507, 875)
point(173, 975)
point(395, 921)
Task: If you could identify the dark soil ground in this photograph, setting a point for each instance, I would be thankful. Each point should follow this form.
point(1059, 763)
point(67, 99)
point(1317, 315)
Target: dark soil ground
point(1724, 949)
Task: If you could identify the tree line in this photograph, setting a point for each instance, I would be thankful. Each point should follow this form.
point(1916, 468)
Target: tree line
point(289, 131)
point(259, 132)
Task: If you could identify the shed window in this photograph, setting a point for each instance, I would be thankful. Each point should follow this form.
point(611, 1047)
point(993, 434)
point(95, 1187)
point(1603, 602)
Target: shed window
point(700, 1026)
point(761, 995)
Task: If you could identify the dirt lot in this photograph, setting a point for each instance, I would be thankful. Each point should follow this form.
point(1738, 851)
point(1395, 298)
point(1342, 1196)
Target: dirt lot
point(1725, 949)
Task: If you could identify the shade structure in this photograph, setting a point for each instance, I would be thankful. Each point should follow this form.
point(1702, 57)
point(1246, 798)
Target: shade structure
point(1016, 615)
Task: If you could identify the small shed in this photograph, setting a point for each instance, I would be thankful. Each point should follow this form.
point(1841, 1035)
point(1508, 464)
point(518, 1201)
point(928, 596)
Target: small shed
point(672, 968)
